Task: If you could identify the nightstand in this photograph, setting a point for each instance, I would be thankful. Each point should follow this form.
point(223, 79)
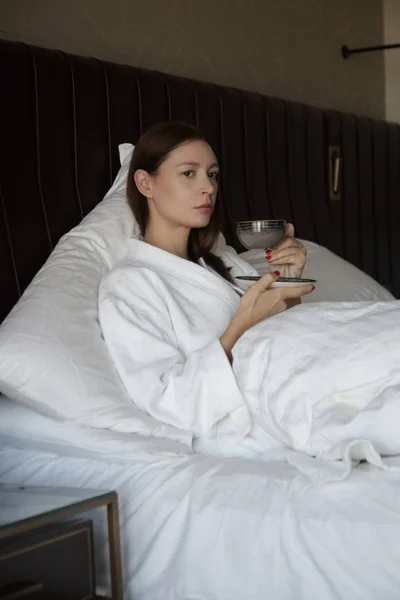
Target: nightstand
point(28, 511)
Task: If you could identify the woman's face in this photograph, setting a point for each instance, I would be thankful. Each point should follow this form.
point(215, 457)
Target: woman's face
point(184, 189)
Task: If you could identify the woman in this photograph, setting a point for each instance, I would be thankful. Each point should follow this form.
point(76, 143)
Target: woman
point(170, 313)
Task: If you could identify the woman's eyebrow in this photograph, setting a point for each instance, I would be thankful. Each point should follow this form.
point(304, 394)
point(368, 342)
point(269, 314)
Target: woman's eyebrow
point(193, 163)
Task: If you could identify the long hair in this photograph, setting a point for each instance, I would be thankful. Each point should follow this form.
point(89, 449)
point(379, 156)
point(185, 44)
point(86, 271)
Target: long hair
point(150, 152)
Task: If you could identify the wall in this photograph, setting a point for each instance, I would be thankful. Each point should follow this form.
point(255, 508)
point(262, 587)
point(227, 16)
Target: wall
point(392, 59)
point(289, 48)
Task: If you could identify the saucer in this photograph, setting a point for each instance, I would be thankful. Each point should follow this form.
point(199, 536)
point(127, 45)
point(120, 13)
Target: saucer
point(280, 282)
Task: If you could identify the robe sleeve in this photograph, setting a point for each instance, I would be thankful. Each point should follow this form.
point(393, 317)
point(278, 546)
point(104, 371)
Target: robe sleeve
point(189, 392)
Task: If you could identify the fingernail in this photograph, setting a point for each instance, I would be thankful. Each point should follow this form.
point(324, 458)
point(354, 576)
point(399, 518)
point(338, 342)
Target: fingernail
point(267, 252)
point(276, 273)
point(267, 257)
point(313, 288)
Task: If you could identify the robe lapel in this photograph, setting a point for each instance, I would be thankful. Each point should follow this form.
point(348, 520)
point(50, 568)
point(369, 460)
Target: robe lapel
point(159, 260)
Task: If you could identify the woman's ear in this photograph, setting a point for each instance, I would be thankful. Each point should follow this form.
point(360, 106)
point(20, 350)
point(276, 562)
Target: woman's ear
point(143, 183)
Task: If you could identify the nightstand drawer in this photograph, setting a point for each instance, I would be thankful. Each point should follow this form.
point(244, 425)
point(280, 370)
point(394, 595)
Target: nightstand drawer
point(55, 562)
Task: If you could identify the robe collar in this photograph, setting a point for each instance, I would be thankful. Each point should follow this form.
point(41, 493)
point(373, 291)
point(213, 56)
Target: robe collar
point(198, 274)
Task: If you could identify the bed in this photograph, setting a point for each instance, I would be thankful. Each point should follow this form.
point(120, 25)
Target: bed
point(196, 526)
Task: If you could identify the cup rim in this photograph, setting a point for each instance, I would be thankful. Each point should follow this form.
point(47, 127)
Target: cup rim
point(262, 221)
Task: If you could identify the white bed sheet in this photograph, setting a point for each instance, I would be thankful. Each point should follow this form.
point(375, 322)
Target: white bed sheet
point(197, 527)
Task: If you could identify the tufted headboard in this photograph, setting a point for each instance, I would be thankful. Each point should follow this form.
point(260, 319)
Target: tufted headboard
point(335, 176)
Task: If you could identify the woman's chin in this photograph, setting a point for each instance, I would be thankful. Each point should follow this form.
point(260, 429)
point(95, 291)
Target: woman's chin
point(200, 221)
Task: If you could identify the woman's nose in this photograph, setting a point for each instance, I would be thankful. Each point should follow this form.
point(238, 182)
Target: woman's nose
point(208, 187)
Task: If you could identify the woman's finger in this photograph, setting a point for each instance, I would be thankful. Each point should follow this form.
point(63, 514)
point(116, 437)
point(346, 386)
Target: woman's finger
point(289, 230)
point(295, 292)
point(287, 256)
point(286, 243)
point(265, 281)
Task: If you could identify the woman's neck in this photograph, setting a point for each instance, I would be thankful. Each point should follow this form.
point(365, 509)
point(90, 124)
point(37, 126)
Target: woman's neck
point(169, 239)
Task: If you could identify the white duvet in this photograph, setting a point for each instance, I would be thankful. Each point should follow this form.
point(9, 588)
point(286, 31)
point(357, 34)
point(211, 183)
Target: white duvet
point(319, 384)
point(324, 380)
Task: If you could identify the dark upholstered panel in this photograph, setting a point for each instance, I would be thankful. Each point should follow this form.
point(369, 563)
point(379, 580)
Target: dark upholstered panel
point(393, 198)
point(62, 118)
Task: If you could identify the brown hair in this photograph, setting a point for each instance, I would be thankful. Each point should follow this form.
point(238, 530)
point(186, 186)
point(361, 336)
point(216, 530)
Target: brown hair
point(150, 152)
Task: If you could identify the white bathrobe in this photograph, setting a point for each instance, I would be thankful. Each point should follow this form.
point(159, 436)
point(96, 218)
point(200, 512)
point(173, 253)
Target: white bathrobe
point(321, 380)
point(162, 317)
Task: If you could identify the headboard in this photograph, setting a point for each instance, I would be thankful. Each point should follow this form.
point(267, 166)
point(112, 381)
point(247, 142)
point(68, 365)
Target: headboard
point(63, 116)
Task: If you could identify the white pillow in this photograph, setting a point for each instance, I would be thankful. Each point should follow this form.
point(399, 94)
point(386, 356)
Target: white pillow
point(51, 340)
point(338, 280)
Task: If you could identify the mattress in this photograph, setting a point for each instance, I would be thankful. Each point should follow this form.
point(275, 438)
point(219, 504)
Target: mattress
point(198, 527)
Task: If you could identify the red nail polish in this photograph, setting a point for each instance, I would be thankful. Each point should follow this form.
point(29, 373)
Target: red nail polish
point(276, 273)
point(268, 257)
point(267, 252)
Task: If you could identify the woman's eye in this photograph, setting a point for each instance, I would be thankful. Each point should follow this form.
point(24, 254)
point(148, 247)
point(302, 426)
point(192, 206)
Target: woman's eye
point(213, 175)
point(189, 173)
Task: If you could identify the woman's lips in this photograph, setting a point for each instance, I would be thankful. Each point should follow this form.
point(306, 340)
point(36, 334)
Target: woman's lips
point(206, 208)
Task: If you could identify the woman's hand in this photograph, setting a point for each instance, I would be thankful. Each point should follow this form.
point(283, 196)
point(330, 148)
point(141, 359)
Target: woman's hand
point(289, 257)
point(258, 303)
